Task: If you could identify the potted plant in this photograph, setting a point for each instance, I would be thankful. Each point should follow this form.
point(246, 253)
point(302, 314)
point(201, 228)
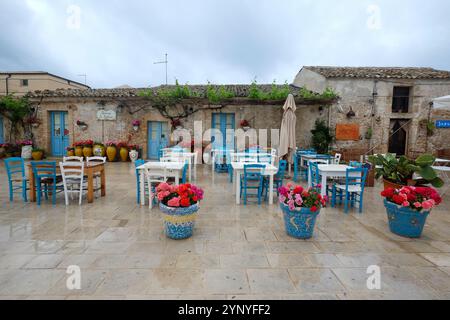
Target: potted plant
point(136, 123)
point(111, 150)
point(245, 125)
point(400, 172)
point(134, 152)
point(123, 151)
point(82, 125)
point(176, 123)
point(27, 146)
point(37, 154)
point(179, 205)
point(78, 145)
point(99, 149)
point(300, 209)
point(321, 137)
point(33, 121)
point(87, 148)
point(70, 151)
point(407, 208)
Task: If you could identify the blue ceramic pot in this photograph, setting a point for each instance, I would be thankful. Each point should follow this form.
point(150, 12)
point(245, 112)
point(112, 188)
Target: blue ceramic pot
point(299, 224)
point(179, 222)
point(404, 221)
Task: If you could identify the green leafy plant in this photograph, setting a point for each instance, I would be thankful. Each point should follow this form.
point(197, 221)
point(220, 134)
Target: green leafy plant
point(16, 110)
point(401, 170)
point(430, 128)
point(277, 93)
point(255, 93)
point(369, 133)
point(216, 94)
point(321, 136)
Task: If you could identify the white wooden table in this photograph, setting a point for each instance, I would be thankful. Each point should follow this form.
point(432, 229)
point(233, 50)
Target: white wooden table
point(171, 169)
point(190, 157)
point(238, 169)
point(441, 162)
point(444, 172)
point(332, 170)
point(306, 157)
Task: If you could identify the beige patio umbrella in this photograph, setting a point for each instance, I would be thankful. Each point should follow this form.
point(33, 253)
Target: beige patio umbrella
point(287, 134)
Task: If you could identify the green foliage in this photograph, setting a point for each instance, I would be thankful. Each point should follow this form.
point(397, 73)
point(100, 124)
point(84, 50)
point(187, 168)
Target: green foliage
point(327, 94)
point(321, 136)
point(13, 108)
point(402, 169)
point(277, 93)
point(215, 94)
point(255, 93)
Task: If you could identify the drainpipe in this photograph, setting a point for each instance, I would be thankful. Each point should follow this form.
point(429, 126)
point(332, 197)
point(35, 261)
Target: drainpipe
point(7, 85)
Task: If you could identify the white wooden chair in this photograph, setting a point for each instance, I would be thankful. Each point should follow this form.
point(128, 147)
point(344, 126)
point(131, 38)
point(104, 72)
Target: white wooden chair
point(153, 179)
point(97, 175)
point(337, 158)
point(73, 179)
point(72, 158)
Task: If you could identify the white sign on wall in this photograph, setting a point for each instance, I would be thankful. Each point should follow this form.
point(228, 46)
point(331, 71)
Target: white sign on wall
point(106, 115)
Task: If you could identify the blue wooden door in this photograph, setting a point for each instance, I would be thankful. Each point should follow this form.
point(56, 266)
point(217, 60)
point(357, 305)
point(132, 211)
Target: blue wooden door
point(223, 121)
point(157, 138)
point(59, 133)
point(2, 140)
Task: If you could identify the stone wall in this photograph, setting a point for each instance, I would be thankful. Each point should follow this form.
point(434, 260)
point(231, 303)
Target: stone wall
point(260, 117)
point(374, 111)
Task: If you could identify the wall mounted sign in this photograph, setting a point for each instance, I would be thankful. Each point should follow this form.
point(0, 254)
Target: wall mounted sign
point(108, 115)
point(440, 124)
point(347, 131)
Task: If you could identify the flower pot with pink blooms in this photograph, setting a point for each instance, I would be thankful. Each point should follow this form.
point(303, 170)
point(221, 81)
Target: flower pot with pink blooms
point(407, 209)
point(179, 205)
point(300, 209)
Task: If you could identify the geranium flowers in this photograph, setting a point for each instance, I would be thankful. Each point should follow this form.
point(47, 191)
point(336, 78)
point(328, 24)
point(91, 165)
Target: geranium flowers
point(416, 198)
point(296, 197)
point(183, 195)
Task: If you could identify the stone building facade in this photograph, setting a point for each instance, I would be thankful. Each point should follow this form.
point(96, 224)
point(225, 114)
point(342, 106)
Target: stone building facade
point(83, 105)
point(373, 95)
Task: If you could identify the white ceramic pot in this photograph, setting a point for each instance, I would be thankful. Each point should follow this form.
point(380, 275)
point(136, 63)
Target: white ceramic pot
point(134, 155)
point(26, 152)
point(98, 151)
point(135, 128)
point(245, 128)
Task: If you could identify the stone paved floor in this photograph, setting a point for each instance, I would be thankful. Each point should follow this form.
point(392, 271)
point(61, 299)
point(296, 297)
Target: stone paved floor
point(237, 252)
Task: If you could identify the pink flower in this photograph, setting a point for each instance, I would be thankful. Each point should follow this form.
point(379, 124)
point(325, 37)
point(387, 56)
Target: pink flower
point(161, 195)
point(405, 204)
point(174, 202)
point(417, 205)
point(298, 199)
point(427, 204)
point(282, 198)
point(163, 186)
point(291, 204)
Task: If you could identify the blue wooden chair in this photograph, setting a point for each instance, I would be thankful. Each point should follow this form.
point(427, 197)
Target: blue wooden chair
point(15, 169)
point(137, 163)
point(184, 172)
point(45, 174)
point(277, 179)
point(252, 179)
point(355, 164)
point(313, 168)
point(352, 191)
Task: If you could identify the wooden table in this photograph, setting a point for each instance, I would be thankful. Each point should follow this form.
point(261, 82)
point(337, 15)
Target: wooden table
point(89, 171)
point(238, 168)
point(171, 169)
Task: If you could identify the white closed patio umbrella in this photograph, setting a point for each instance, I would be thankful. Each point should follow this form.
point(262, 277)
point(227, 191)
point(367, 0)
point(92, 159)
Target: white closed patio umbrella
point(287, 133)
point(442, 103)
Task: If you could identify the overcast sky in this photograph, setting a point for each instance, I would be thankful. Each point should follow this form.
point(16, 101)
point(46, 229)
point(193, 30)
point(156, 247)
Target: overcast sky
point(223, 41)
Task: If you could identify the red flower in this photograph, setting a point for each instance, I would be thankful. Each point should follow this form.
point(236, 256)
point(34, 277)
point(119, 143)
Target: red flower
point(195, 198)
point(411, 197)
point(298, 190)
point(387, 193)
point(398, 199)
point(313, 209)
point(185, 202)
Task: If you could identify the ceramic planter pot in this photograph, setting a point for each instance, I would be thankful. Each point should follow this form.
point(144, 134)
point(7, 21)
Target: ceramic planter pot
point(136, 128)
point(98, 151)
point(111, 153)
point(37, 155)
point(299, 224)
point(405, 221)
point(179, 222)
point(134, 155)
point(87, 152)
point(79, 151)
point(123, 154)
point(26, 152)
point(70, 153)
